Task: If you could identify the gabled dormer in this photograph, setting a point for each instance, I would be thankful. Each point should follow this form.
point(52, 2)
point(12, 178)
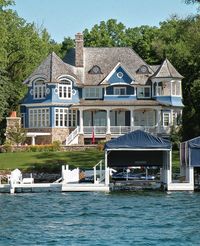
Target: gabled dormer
point(119, 84)
point(118, 75)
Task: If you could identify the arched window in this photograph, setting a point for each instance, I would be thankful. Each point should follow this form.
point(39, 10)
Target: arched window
point(39, 89)
point(65, 89)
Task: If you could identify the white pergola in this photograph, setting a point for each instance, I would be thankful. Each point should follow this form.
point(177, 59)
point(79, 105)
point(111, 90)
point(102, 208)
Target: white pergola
point(33, 135)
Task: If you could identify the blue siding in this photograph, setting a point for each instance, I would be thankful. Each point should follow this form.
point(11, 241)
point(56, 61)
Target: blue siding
point(129, 90)
point(52, 97)
point(171, 100)
point(110, 94)
point(125, 79)
point(119, 98)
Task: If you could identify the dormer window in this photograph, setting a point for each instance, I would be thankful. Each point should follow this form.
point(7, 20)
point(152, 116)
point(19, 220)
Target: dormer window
point(143, 70)
point(65, 89)
point(120, 75)
point(120, 91)
point(39, 90)
point(95, 70)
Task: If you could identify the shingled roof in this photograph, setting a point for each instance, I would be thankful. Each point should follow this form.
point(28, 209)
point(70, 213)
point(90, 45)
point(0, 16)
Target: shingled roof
point(119, 103)
point(106, 59)
point(167, 70)
point(51, 68)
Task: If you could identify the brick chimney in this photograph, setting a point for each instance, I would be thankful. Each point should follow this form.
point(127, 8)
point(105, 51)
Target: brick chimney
point(79, 50)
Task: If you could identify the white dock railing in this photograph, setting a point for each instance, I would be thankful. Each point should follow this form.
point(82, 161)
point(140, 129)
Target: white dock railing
point(101, 172)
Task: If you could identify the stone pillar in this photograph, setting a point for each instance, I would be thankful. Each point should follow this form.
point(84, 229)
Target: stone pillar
point(108, 122)
point(13, 122)
point(81, 139)
point(108, 137)
point(79, 50)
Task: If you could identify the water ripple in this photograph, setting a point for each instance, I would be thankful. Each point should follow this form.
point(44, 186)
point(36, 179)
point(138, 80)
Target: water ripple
point(129, 218)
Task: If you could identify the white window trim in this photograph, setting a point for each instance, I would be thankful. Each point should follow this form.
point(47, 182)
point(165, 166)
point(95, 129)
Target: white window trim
point(143, 87)
point(36, 113)
point(37, 87)
point(23, 121)
point(118, 89)
point(66, 112)
point(175, 82)
point(169, 115)
point(65, 86)
point(87, 92)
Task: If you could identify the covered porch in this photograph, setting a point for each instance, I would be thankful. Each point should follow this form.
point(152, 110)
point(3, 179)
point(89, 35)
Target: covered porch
point(118, 121)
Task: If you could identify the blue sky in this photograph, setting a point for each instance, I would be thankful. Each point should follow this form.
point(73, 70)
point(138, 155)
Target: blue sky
point(64, 18)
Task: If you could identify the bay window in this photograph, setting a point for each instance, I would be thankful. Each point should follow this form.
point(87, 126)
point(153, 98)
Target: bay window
point(39, 118)
point(65, 117)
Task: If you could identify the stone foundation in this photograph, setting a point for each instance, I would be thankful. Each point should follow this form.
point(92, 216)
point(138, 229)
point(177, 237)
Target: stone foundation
point(40, 140)
point(81, 139)
point(108, 137)
point(60, 134)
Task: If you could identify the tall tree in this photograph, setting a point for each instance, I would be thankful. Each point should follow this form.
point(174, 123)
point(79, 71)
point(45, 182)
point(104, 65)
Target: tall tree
point(22, 48)
point(109, 34)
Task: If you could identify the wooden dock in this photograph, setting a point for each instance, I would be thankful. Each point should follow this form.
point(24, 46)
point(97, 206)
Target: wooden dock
point(85, 187)
point(54, 187)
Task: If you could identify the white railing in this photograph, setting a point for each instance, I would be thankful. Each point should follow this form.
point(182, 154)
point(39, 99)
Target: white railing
point(96, 129)
point(72, 135)
point(101, 172)
point(119, 130)
point(115, 130)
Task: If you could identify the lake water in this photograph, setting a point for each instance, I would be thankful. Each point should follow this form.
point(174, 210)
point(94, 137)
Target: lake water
point(144, 218)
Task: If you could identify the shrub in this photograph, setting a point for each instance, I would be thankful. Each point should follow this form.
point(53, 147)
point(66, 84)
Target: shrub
point(56, 146)
point(7, 147)
point(100, 145)
point(175, 138)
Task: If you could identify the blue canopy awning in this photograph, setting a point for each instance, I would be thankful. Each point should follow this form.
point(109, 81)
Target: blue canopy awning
point(192, 150)
point(138, 140)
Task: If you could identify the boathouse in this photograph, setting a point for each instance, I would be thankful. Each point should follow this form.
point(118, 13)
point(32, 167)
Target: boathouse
point(140, 148)
point(190, 161)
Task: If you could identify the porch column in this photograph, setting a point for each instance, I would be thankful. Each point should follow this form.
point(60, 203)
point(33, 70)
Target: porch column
point(158, 119)
point(33, 140)
point(108, 122)
point(81, 121)
point(132, 119)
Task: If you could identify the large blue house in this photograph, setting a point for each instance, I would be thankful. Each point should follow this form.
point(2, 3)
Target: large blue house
point(104, 92)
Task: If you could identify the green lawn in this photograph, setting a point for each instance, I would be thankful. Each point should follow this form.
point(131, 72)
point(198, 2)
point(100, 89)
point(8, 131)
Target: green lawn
point(52, 161)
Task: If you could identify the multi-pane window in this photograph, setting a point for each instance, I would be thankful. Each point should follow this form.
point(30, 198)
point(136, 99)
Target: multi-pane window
point(144, 92)
point(120, 91)
point(176, 88)
point(39, 118)
point(23, 119)
point(65, 90)
point(166, 119)
point(39, 90)
point(93, 92)
point(174, 118)
point(65, 117)
point(159, 91)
